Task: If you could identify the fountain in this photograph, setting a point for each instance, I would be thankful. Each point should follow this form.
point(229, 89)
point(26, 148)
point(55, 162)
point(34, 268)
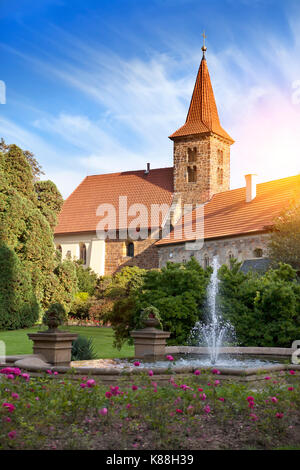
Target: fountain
point(215, 330)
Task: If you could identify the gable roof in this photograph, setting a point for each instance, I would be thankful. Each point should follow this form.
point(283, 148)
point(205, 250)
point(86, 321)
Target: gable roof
point(203, 115)
point(228, 213)
point(79, 210)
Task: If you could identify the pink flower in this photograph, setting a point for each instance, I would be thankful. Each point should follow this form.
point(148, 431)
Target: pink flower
point(207, 409)
point(134, 387)
point(250, 398)
point(115, 390)
point(178, 410)
point(279, 415)
point(170, 358)
point(217, 382)
point(274, 399)
point(251, 404)
point(108, 394)
point(290, 389)
point(82, 385)
point(221, 399)
point(49, 372)
point(15, 396)
point(254, 417)
point(137, 363)
point(103, 411)
point(292, 372)
point(216, 371)
point(26, 377)
point(197, 372)
point(267, 378)
point(128, 406)
point(10, 407)
point(200, 389)
point(91, 383)
point(10, 376)
point(12, 434)
point(150, 373)
point(202, 396)
point(55, 373)
point(37, 398)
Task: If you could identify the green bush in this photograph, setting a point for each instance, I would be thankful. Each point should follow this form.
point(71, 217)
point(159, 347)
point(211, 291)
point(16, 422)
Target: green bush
point(177, 291)
point(265, 310)
point(86, 278)
point(83, 349)
point(18, 305)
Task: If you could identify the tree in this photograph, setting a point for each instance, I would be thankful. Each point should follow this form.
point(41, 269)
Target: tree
point(284, 243)
point(49, 201)
point(18, 305)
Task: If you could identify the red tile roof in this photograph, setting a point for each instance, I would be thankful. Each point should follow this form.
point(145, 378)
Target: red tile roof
point(228, 213)
point(79, 210)
point(203, 114)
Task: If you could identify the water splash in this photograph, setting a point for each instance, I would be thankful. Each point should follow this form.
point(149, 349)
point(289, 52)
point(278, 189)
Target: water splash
point(215, 331)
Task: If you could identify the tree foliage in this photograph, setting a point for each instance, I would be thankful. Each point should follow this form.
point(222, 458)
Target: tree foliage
point(177, 291)
point(265, 310)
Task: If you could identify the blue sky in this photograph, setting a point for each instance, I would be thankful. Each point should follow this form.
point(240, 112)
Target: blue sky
point(97, 86)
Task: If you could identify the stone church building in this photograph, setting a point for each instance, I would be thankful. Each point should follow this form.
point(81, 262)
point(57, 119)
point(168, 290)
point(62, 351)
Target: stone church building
point(235, 223)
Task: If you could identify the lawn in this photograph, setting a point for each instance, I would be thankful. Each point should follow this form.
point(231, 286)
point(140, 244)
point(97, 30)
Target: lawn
point(17, 341)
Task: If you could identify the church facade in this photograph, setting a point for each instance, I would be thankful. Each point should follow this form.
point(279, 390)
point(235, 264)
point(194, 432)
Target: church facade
point(133, 218)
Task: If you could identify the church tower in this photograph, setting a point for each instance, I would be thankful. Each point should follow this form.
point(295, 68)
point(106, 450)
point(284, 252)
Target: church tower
point(201, 146)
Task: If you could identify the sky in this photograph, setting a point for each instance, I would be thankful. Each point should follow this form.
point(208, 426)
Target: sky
point(98, 86)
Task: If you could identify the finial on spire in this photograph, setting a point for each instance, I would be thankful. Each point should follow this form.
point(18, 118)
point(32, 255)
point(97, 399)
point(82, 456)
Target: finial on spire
point(204, 48)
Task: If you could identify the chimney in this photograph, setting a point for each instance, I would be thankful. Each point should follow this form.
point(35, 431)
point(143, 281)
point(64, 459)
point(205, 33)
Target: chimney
point(147, 171)
point(250, 187)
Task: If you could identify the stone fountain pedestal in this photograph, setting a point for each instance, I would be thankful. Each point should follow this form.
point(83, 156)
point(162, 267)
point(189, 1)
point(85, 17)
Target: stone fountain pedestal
point(150, 343)
point(55, 346)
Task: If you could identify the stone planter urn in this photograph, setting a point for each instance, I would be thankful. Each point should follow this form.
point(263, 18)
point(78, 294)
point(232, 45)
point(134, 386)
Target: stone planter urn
point(150, 342)
point(54, 345)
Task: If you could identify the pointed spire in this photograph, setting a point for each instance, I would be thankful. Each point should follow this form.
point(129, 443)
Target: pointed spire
point(203, 115)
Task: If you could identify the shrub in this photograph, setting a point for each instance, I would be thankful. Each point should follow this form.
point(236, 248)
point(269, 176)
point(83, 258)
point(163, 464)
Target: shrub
point(86, 278)
point(265, 310)
point(80, 306)
point(18, 305)
point(83, 349)
point(54, 316)
point(177, 291)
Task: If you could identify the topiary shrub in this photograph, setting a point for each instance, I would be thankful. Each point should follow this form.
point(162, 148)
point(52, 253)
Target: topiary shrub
point(18, 305)
point(83, 349)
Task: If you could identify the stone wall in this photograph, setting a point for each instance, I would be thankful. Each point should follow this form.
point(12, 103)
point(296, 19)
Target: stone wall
point(241, 248)
point(206, 161)
point(145, 255)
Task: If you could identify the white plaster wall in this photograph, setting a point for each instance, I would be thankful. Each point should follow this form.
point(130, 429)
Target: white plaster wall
point(95, 249)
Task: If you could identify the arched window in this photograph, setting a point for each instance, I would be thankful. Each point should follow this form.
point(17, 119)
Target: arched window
point(192, 174)
point(69, 254)
point(192, 155)
point(82, 254)
point(206, 262)
point(220, 157)
point(220, 176)
point(230, 255)
point(130, 250)
point(258, 253)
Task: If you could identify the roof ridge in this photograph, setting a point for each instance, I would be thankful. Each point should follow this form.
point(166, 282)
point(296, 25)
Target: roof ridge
point(128, 171)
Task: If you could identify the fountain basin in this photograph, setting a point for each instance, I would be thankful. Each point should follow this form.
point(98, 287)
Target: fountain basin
point(275, 362)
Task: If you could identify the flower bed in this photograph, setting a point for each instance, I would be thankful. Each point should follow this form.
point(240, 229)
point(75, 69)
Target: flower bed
point(56, 411)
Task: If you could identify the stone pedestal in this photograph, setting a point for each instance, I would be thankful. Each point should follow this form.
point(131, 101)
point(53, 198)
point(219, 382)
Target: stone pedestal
point(149, 343)
point(55, 346)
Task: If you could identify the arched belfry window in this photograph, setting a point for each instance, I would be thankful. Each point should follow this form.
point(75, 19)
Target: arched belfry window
point(192, 155)
point(130, 250)
point(82, 255)
point(192, 174)
point(220, 176)
point(220, 157)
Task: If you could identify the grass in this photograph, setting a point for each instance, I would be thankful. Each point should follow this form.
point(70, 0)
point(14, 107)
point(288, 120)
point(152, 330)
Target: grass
point(17, 341)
